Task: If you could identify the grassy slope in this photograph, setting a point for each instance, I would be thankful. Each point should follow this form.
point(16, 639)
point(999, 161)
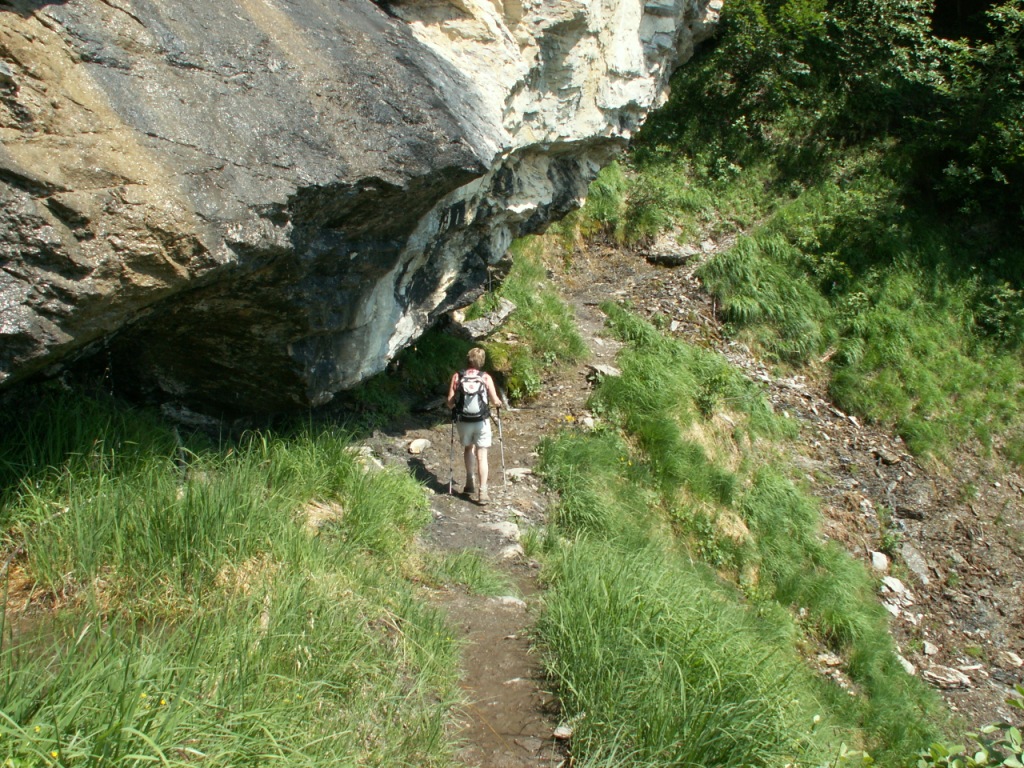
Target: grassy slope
point(688, 578)
point(201, 616)
point(196, 600)
point(840, 276)
point(684, 594)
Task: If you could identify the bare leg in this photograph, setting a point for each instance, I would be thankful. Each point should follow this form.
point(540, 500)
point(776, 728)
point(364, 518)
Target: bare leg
point(470, 459)
point(481, 462)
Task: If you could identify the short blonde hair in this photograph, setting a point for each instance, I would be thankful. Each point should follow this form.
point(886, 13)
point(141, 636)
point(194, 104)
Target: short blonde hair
point(476, 357)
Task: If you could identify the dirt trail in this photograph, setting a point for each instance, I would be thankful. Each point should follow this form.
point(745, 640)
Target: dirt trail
point(958, 558)
point(511, 718)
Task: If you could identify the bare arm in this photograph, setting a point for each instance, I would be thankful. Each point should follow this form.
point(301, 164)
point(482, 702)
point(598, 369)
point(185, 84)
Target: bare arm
point(492, 393)
point(451, 390)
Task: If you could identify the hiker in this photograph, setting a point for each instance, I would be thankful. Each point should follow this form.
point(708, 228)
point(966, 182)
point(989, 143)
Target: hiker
point(471, 394)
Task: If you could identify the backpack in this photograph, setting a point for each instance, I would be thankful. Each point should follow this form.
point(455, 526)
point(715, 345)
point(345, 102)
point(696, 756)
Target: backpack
point(471, 403)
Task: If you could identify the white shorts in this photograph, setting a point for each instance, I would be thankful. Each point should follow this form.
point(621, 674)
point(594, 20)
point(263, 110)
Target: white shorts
point(476, 433)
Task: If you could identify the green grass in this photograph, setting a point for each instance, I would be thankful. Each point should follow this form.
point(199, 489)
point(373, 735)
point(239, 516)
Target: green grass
point(664, 668)
point(663, 660)
point(203, 616)
point(540, 333)
point(470, 569)
point(914, 334)
point(764, 291)
point(840, 271)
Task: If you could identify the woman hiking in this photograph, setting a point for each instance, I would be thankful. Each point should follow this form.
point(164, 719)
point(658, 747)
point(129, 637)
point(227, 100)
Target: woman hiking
point(470, 396)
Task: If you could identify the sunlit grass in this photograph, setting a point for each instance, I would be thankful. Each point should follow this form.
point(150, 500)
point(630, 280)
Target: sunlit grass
point(646, 508)
point(470, 569)
point(204, 617)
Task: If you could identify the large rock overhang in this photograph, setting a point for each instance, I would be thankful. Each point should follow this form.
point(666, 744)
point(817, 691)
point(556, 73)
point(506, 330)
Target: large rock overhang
point(252, 205)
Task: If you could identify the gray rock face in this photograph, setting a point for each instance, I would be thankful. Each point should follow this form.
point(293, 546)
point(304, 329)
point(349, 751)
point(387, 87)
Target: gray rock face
point(253, 204)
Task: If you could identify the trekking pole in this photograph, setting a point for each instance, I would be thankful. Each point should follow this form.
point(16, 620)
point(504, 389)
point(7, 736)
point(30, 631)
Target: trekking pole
point(501, 442)
point(451, 458)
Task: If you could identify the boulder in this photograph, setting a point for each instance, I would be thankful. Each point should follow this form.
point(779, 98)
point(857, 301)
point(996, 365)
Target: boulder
point(946, 678)
point(482, 327)
point(243, 207)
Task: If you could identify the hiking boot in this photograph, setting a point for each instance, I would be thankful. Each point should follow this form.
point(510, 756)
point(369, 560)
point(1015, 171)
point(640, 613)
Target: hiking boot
point(484, 496)
point(470, 489)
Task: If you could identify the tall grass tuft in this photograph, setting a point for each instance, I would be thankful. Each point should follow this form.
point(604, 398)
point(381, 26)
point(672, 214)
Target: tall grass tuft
point(665, 666)
point(762, 289)
point(230, 606)
point(470, 569)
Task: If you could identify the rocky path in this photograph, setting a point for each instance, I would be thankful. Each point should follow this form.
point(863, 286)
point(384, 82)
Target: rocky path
point(510, 720)
point(946, 545)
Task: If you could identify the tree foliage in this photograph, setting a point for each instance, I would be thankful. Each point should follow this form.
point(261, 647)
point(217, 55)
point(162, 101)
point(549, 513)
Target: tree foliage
point(800, 81)
point(983, 136)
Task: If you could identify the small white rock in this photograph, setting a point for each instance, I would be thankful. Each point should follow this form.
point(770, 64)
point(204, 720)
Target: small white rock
point(604, 371)
point(419, 445)
point(894, 585)
point(563, 732)
point(508, 531)
point(1009, 660)
point(513, 552)
point(510, 601)
point(910, 668)
point(930, 649)
point(880, 561)
point(946, 678)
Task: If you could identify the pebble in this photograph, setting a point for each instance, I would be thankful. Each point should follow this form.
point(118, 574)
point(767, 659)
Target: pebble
point(886, 456)
point(879, 561)
point(915, 562)
point(1009, 660)
point(419, 445)
point(508, 531)
point(894, 585)
point(907, 666)
point(604, 371)
point(513, 552)
point(511, 602)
